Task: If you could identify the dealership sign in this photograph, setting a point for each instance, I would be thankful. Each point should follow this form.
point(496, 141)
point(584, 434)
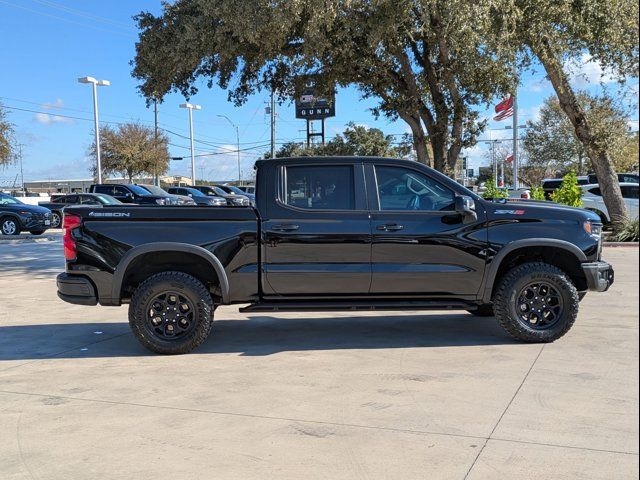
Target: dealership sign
point(313, 107)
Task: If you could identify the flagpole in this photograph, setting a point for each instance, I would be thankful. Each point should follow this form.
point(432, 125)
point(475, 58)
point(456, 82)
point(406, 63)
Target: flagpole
point(515, 136)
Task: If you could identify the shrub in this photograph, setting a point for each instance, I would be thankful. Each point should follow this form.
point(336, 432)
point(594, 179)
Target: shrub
point(569, 192)
point(626, 231)
point(537, 193)
point(492, 191)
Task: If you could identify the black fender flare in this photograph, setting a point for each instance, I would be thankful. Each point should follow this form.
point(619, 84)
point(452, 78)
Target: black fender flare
point(492, 269)
point(206, 255)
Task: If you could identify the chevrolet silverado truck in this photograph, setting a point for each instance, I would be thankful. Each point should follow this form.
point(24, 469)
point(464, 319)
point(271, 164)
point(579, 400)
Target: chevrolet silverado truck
point(336, 233)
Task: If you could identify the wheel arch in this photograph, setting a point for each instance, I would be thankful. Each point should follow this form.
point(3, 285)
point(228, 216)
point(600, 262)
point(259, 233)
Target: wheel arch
point(11, 215)
point(543, 249)
point(155, 252)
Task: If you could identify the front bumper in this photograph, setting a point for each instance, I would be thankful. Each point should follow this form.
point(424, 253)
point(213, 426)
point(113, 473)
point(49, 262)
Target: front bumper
point(76, 289)
point(599, 276)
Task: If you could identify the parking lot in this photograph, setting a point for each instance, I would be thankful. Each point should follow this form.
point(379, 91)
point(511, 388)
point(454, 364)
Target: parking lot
point(326, 395)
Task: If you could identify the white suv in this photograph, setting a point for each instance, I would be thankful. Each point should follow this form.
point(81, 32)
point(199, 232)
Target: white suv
point(593, 200)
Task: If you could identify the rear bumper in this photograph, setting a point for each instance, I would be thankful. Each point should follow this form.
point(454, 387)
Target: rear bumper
point(76, 289)
point(599, 276)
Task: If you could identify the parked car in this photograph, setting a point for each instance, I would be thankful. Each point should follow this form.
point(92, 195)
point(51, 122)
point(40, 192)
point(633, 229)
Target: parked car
point(16, 217)
point(198, 197)
point(622, 178)
point(550, 185)
point(592, 200)
point(248, 189)
point(179, 199)
point(133, 194)
point(232, 199)
point(59, 202)
point(337, 233)
point(235, 190)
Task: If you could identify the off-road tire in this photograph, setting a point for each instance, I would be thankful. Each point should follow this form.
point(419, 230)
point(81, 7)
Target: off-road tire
point(185, 285)
point(485, 310)
point(505, 301)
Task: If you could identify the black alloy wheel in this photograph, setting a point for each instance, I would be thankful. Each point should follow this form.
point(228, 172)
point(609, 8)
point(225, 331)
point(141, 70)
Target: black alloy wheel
point(539, 305)
point(170, 316)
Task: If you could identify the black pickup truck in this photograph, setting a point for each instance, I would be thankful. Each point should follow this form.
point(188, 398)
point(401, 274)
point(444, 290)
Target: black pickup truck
point(336, 233)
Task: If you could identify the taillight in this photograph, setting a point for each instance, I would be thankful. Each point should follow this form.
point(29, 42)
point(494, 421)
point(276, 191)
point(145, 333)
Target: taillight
point(69, 223)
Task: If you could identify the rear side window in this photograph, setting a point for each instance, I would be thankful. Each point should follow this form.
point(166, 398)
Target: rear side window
point(629, 192)
point(320, 187)
point(104, 189)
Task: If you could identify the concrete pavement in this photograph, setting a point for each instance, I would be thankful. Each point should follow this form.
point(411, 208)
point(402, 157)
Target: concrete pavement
point(331, 395)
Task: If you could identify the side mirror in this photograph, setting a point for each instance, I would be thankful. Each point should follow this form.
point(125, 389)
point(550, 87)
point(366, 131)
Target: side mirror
point(129, 196)
point(466, 207)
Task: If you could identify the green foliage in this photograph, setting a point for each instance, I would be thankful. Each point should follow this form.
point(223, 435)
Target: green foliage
point(537, 193)
point(626, 231)
point(356, 140)
point(7, 140)
point(569, 193)
point(427, 62)
point(492, 191)
point(131, 150)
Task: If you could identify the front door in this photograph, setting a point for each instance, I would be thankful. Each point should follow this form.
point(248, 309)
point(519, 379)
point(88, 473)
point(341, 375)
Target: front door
point(420, 245)
point(317, 237)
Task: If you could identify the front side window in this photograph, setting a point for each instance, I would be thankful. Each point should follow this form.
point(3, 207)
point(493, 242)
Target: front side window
point(629, 192)
point(320, 187)
point(406, 189)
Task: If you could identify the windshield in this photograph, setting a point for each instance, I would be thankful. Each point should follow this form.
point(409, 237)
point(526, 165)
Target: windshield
point(107, 200)
point(235, 190)
point(218, 191)
point(194, 192)
point(154, 190)
point(7, 200)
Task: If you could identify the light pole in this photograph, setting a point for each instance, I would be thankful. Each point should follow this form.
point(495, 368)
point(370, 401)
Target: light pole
point(95, 84)
point(237, 143)
point(191, 108)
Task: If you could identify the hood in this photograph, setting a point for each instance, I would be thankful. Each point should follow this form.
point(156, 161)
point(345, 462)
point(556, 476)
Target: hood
point(26, 208)
point(539, 209)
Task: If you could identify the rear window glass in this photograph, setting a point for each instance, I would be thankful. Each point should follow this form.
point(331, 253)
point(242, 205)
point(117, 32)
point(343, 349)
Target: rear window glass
point(320, 187)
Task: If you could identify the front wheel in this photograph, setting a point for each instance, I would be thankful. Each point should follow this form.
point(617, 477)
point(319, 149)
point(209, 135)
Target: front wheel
point(536, 302)
point(56, 220)
point(171, 313)
point(9, 226)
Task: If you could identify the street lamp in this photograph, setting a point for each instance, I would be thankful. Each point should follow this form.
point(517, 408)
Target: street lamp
point(237, 142)
point(95, 84)
point(191, 108)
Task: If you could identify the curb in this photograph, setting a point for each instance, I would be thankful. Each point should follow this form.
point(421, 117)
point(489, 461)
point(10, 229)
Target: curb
point(620, 244)
point(28, 239)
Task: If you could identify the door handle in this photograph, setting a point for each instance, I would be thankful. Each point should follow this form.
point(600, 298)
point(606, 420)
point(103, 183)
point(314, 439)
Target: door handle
point(286, 227)
point(390, 227)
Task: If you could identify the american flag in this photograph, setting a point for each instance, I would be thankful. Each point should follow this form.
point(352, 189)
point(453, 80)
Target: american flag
point(509, 158)
point(504, 109)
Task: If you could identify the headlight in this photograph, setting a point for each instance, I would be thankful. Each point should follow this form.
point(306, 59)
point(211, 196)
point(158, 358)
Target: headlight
point(161, 201)
point(593, 229)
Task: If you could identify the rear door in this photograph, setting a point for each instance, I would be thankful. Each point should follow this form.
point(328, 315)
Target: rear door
point(420, 245)
point(316, 233)
point(630, 194)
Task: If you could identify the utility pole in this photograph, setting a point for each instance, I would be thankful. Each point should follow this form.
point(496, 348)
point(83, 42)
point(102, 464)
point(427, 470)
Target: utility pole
point(237, 144)
point(21, 170)
point(155, 135)
point(273, 124)
point(191, 108)
point(95, 84)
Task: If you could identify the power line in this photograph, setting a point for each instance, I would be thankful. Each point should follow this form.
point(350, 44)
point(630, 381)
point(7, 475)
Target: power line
point(80, 13)
point(86, 25)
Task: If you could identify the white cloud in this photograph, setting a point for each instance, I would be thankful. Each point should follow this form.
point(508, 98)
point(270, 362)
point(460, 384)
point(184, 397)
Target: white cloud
point(50, 119)
point(47, 119)
point(586, 72)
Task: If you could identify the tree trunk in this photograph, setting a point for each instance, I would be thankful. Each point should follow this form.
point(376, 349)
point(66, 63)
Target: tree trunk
point(419, 139)
point(600, 158)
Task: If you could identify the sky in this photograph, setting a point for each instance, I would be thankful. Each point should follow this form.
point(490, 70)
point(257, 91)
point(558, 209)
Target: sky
point(53, 43)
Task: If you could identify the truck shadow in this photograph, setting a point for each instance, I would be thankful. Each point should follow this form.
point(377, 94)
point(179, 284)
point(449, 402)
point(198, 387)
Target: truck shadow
point(259, 335)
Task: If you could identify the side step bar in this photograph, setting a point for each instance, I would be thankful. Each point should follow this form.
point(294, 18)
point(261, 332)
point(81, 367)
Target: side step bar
point(330, 305)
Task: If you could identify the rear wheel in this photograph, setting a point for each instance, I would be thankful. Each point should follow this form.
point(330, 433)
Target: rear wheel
point(171, 313)
point(9, 226)
point(536, 302)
